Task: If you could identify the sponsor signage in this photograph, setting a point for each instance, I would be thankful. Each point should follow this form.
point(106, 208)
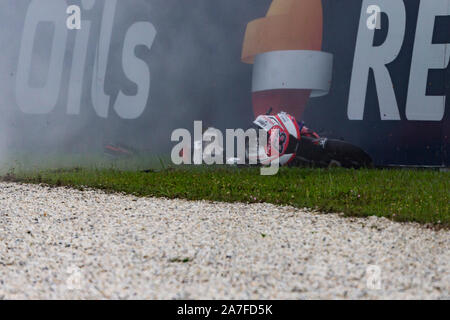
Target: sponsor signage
point(75, 75)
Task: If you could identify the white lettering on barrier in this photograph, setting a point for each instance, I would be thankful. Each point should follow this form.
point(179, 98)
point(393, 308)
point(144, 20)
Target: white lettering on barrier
point(425, 56)
point(42, 100)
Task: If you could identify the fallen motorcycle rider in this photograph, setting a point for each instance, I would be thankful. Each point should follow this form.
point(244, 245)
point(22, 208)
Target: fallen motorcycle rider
point(300, 146)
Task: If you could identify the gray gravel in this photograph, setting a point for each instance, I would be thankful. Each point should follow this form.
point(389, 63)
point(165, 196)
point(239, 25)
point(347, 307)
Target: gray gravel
point(62, 244)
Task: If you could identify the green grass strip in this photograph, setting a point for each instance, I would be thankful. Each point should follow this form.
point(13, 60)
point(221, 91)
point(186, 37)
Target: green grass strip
point(402, 195)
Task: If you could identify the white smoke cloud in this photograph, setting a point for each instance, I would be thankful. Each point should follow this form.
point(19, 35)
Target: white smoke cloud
point(194, 67)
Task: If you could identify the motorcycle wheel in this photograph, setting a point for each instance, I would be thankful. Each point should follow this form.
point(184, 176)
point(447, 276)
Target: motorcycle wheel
point(347, 155)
